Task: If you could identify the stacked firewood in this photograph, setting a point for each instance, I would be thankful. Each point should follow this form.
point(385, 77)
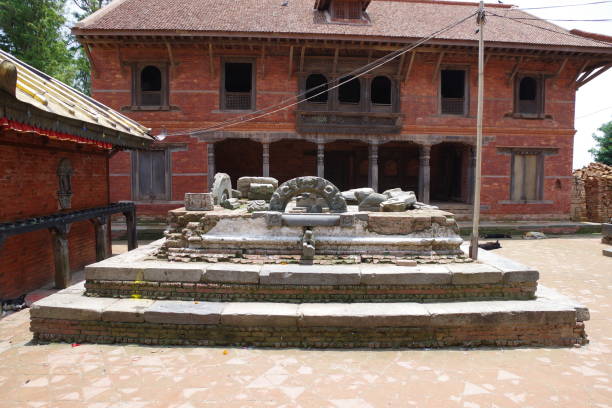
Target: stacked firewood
point(596, 180)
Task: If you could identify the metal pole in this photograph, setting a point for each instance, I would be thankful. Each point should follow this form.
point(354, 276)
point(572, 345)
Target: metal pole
point(476, 219)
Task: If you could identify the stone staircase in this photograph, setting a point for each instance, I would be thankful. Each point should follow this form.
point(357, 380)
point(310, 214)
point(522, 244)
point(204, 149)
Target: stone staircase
point(461, 211)
point(134, 298)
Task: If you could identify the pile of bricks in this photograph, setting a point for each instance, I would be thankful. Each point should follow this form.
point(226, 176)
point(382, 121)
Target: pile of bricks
point(592, 193)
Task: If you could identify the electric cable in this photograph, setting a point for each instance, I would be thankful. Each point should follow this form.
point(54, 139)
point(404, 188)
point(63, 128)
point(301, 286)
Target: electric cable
point(561, 6)
point(336, 83)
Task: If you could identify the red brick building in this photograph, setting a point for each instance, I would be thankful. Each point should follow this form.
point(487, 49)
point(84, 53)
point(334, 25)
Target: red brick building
point(55, 147)
point(188, 65)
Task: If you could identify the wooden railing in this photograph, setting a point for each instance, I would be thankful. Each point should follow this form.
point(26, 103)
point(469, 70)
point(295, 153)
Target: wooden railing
point(348, 122)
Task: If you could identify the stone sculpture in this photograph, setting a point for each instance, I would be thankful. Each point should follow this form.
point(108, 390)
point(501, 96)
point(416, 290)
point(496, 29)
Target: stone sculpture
point(244, 184)
point(372, 202)
point(257, 205)
point(199, 202)
point(308, 247)
point(222, 188)
point(308, 184)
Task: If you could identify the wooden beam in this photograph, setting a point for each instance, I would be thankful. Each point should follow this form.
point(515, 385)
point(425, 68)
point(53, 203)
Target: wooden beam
point(369, 55)
point(263, 61)
point(407, 73)
point(582, 68)
point(400, 66)
point(436, 70)
point(335, 66)
point(170, 56)
point(302, 54)
point(515, 70)
point(290, 62)
point(122, 63)
point(210, 60)
point(87, 49)
point(561, 67)
point(487, 59)
point(593, 75)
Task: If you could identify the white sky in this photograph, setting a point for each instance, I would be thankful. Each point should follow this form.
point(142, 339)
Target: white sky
point(596, 95)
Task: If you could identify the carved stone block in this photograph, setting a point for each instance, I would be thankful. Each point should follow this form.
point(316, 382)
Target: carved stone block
point(199, 202)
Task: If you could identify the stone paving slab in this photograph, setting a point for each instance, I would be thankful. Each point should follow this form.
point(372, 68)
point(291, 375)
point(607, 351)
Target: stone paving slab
point(181, 312)
point(127, 310)
point(310, 275)
point(70, 307)
point(232, 273)
point(363, 315)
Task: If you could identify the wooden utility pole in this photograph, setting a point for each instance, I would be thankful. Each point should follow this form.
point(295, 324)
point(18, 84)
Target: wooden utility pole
point(480, 20)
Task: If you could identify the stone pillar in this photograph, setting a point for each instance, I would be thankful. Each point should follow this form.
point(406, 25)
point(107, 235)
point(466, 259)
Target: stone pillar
point(211, 164)
point(471, 175)
point(321, 160)
point(266, 159)
point(373, 161)
point(102, 244)
point(61, 256)
point(130, 222)
point(424, 173)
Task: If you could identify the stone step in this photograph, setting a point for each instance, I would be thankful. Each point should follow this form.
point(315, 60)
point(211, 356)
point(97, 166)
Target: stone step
point(70, 316)
point(134, 274)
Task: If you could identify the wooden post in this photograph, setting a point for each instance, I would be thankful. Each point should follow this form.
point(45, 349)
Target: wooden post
point(210, 147)
point(61, 255)
point(265, 159)
point(373, 166)
point(102, 244)
point(320, 160)
point(424, 173)
point(130, 222)
point(476, 220)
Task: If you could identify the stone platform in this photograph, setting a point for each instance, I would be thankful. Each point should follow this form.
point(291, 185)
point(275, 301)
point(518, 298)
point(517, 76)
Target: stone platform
point(138, 274)
point(549, 320)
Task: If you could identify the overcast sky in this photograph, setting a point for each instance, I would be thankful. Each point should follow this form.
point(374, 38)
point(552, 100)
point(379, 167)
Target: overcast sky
point(593, 100)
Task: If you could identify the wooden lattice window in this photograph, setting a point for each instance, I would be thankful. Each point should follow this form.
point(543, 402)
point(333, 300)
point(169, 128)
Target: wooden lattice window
point(316, 88)
point(529, 95)
point(453, 92)
point(347, 10)
point(238, 90)
point(150, 85)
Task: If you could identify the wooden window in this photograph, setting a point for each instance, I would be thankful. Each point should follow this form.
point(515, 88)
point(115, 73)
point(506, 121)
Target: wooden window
point(380, 92)
point(238, 91)
point(349, 92)
point(151, 178)
point(527, 176)
point(346, 10)
point(150, 85)
point(315, 85)
point(453, 92)
point(529, 95)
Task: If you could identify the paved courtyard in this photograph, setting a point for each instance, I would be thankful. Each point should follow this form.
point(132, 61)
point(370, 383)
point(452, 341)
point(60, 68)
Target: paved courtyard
point(64, 375)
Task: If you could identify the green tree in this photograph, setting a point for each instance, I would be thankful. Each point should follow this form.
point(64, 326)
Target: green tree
point(83, 68)
point(33, 31)
point(603, 151)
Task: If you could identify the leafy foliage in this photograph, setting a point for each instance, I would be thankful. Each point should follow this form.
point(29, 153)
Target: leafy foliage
point(603, 151)
point(32, 30)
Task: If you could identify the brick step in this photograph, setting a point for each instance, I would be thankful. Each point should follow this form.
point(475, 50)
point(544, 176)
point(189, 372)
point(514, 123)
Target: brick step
point(69, 316)
point(133, 274)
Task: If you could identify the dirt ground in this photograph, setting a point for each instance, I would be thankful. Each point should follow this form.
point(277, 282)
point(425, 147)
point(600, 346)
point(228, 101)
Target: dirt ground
point(64, 375)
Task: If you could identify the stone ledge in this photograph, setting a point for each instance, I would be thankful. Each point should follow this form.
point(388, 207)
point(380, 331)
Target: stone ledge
point(70, 306)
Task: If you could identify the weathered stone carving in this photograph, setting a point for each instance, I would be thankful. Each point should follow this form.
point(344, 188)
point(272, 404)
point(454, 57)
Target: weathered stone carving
point(355, 195)
point(244, 184)
point(222, 188)
point(308, 247)
point(308, 184)
point(261, 191)
point(199, 202)
point(64, 174)
point(372, 202)
point(231, 204)
point(257, 205)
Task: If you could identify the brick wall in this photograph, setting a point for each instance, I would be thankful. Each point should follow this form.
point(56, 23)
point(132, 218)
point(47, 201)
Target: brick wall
point(194, 97)
point(28, 181)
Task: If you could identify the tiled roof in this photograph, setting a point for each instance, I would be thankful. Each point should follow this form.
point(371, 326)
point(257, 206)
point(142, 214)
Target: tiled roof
point(389, 19)
point(50, 95)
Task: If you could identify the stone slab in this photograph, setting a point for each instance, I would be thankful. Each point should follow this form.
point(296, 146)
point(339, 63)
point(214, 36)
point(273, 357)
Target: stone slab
point(173, 272)
point(127, 310)
point(76, 289)
point(362, 315)
point(234, 273)
point(474, 274)
point(405, 275)
point(309, 275)
point(184, 312)
point(503, 312)
point(260, 314)
point(548, 295)
point(607, 251)
point(512, 271)
point(70, 307)
point(127, 272)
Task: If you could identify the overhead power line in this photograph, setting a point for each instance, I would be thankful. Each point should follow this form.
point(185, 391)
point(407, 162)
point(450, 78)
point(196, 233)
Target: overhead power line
point(562, 19)
point(287, 103)
point(550, 29)
point(593, 113)
point(564, 5)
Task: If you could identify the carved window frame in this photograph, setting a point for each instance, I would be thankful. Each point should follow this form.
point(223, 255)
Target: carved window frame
point(540, 96)
point(466, 90)
point(222, 92)
point(137, 68)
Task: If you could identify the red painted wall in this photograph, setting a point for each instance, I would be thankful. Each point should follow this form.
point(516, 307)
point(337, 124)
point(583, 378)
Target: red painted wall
point(29, 184)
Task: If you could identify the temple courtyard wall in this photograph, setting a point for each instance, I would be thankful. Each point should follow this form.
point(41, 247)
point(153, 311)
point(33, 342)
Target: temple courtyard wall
point(100, 375)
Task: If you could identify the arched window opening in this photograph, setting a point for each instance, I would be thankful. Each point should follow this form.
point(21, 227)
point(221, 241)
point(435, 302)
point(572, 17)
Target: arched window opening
point(316, 88)
point(453, 91)
point(381, 91)
point(151, 86)
point(238, 86)
point(350, 92)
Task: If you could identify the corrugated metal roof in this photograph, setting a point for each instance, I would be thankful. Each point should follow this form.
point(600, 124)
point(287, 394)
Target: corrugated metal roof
point(389, 19)
point(50, 95)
